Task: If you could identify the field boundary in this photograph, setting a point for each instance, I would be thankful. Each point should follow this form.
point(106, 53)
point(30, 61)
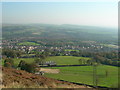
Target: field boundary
point(64, 65)
point(102, 87)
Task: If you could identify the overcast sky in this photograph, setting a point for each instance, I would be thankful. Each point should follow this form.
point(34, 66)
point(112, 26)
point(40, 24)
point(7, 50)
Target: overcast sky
point(80, 13)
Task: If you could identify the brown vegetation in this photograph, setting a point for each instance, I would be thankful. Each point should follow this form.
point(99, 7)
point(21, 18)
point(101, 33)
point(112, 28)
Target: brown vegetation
point(13, 78)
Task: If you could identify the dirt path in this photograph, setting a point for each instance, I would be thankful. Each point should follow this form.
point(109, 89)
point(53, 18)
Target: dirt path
point(50, 70)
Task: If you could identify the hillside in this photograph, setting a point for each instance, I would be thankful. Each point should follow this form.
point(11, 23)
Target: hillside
point(59, 32)
point(13, 78)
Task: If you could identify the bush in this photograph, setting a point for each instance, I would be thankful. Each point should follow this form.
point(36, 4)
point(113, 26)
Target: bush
point(30, 67)
point(27, 67)
point(11, 53)
point(8, 62)
point(39, 61)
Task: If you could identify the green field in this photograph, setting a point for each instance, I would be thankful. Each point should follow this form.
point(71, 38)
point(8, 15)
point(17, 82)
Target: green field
point(27, 55)
point(28, 43)
point(84, 74)
point(16, 61)
point(110, 45)
point(107, 75)
point(60, 60)
point(66, 60)
point(28, 60)
point(71, 50)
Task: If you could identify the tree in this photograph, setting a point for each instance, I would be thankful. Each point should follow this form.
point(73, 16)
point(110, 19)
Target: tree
point(8, 62)
point(89, 62)
point(18, 53)
point(115, 63)
point(42, 56)
point(11, 53)
point(30, 67)
point(22, 63)
point(118, 64)
point(95, 77)
point(80, 61)
point(8, 53)
point(27, 67)
point(106, 73)
point(39, 61)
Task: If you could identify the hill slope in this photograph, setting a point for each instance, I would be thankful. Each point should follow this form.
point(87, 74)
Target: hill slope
point(59, 32)
point(13, 78)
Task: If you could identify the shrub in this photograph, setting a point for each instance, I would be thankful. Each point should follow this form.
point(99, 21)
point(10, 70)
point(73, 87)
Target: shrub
point(8, 62)
point(27, 67)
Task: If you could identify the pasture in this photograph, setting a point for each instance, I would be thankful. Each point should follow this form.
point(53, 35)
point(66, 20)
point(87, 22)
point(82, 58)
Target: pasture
point(67, 60)
point(71, 50)
point(60, 60)
point(106, 75)
point(28, 60)
point(28, 43)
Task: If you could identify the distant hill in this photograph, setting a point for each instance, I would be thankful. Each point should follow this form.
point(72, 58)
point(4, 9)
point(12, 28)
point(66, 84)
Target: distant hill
point(64, 31)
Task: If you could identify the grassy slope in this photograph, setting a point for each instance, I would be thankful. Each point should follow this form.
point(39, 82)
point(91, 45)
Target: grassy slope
point(66, 60)
point(60, 60)
point(84, 74)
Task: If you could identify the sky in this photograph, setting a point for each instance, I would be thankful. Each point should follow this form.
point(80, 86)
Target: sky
point(81, 13)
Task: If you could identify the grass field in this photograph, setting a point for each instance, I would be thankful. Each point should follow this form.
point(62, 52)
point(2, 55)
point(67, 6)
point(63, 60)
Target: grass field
point(60, 60)
point(84, 74)
point(66, 60)
point(28, 43)
point(27, 55)
point(110, 45)
point(28, 60)
point(71, 50)
point(107, 75)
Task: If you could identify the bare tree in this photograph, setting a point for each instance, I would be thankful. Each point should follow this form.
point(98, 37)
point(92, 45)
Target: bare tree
point(95, 77)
